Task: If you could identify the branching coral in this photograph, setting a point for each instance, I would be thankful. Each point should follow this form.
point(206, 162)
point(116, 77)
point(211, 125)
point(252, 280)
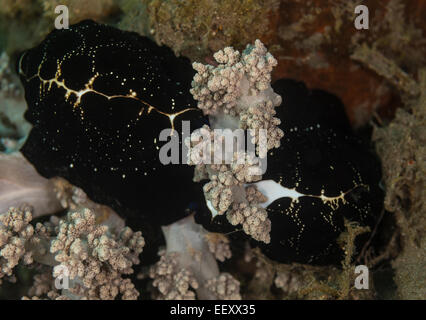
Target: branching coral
point(95, 258)
point(15, 231)
point(188, 268)
point(21, 242)
point(225, 287)
point(262, 117)
point(74, 198)
point(173, 283)
point(43, 286)
point(218, 191)
point(236, 94)
point(237, 83)
point(219, 245)
point(226, 193)
point(86, 254)
point(253, 218)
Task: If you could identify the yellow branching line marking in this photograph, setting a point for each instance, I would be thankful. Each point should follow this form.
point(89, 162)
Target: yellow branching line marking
point(88, 87)
point(333, 202)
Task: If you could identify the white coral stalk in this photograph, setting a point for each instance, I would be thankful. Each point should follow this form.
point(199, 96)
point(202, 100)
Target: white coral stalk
point(20, 183)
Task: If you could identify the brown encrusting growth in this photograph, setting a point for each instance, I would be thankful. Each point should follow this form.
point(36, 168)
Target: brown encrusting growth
point(401, 145)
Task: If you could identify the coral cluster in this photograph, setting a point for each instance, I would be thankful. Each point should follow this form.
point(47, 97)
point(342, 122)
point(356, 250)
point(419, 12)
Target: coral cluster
point(95, 258)
point(225, 287)
point(173, 283)
point(240, 86)
point(253, 218)
point(236, 94)
point(187, 268)
point(86, 256)
point(219, 245)
point(15, 232)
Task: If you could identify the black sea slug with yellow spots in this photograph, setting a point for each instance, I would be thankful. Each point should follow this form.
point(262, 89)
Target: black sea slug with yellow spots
point(98, 98)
